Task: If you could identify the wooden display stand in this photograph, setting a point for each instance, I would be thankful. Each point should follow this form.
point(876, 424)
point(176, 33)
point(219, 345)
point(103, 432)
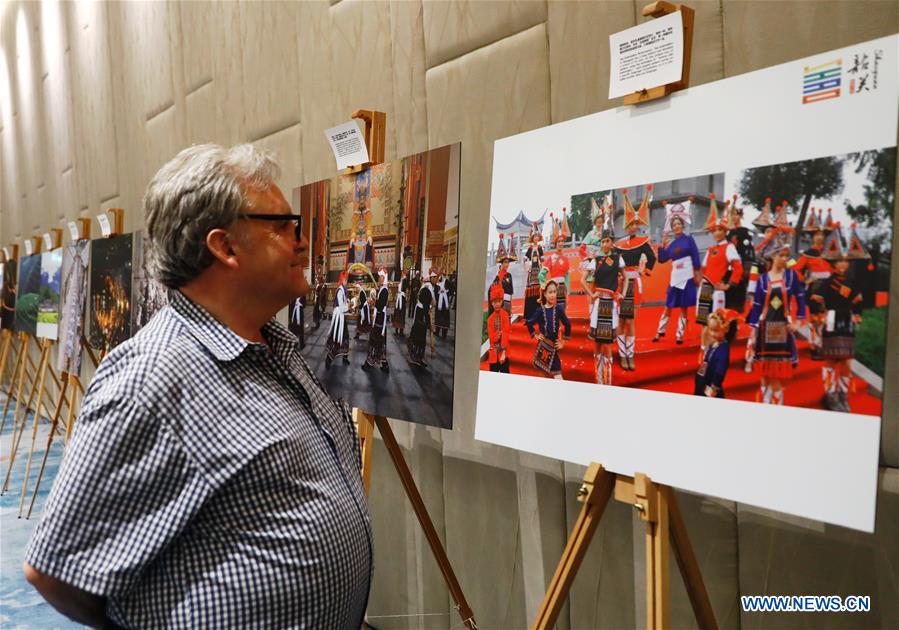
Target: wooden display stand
point(665, 527)
point(658, 9)
point(375, 133)
point(375, 138)
point(68, 381)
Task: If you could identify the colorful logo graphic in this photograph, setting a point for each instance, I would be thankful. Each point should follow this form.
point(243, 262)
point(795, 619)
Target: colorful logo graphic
point(822, 82)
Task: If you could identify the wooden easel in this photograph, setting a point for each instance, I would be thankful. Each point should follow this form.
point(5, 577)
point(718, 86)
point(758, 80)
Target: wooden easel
point(665, 527)
point(68, 380)
point(375, 134)
point(656, 10)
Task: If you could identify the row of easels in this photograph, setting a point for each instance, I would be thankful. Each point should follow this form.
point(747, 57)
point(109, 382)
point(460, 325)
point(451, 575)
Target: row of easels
point(26, 381)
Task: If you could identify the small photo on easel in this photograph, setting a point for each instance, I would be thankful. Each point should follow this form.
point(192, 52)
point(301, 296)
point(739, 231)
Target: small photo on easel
point(28, 297)
point(75, 260)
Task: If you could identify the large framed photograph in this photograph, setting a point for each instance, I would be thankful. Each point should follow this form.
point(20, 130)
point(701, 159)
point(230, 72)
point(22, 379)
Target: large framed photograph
point(379, 327)
point(715, 288)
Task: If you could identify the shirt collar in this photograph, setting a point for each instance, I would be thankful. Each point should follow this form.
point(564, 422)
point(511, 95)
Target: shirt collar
point(221, 341)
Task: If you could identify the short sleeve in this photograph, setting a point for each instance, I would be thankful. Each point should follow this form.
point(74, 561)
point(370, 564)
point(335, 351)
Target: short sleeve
point(124, 491)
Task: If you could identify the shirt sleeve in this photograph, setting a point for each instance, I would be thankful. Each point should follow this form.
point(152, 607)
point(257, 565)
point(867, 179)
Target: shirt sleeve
point(125, 490)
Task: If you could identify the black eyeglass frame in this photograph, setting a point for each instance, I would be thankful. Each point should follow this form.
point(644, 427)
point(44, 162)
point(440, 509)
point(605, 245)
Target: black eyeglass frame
point(297, 218)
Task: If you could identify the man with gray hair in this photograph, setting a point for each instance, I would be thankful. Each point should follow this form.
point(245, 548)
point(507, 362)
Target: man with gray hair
point(211, 481)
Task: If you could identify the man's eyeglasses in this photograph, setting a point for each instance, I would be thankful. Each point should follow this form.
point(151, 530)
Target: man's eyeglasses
point(296, 218)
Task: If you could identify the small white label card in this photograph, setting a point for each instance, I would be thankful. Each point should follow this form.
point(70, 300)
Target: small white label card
point(48, 241)
point(646, 56)
point(73, 231)
point(348, 144)
point(105, 227)
point(29, 247)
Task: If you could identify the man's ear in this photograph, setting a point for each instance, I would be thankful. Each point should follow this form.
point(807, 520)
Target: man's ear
point(221, 244)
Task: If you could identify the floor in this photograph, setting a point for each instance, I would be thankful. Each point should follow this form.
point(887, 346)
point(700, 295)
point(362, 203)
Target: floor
point(20, 605)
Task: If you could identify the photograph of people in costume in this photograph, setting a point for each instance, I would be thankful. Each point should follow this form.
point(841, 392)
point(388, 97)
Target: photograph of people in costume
point(378, 326)
point(766, 284)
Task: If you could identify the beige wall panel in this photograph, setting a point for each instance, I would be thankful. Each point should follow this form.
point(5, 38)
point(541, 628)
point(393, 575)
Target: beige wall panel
point(410, 124)
point(94, 122)
point(889, 432)
point(269, 38)
point(362, 53)
point(455, 28)
point(482, 540)
point(146, 32)
point(286, 146)
point(579, 54)
point(782, 555)
point(28, 74)
point(199, 27)
point(57, 93)
point(65, 195)
point(201, 125)
point(317, 108)
point(408, 580)
point(520, 64)
point(161, 143)
point(762, 34)
point(228, 75)
point(708, 33)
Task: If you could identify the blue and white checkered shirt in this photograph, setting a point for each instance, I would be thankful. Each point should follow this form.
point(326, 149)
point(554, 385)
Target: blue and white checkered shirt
point(211, 482)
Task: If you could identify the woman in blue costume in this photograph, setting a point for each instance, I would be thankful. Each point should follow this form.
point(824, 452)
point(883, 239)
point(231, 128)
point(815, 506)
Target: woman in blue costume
point(547, 319)
point(779, 293)
point(685, 269)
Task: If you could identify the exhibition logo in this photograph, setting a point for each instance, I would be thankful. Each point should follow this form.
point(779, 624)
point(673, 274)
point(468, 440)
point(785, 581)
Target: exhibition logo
point(831, 80)
point(822, 82)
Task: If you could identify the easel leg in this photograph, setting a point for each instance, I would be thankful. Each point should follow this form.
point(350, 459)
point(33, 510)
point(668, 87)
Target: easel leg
point(45, 360)
point(594, 494)
point(3, 354)
point(657, 571)
point(70, 415)
point(40, 474)
point(424, 519)
point(366, 428)
point(12, 386)
point(17, 429)
point(689, 567)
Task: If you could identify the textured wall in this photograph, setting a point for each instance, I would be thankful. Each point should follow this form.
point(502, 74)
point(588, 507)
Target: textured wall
point(94, 97)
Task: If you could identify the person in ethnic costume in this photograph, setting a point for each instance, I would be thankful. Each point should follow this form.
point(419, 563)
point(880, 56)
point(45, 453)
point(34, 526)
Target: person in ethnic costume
point(684, 256)
point(555, 267)
point(590, 243)
point(721, 269)
point(709, 378)
point(421, 322)
point(318, 302)
point(377, 340)
point(639, 258)
point(499, 330)
point(504, 279)
point(841, 304)
point(815, 270)
point(414, 288)
point(338, 344)
point(608, 276)
point(532, 261)
point(547, 320)
point(398, 321)
point(363, 325)
point(773, 329)
point(765, 225)
point(742, 239)
point(442, 308)
point(501, 251)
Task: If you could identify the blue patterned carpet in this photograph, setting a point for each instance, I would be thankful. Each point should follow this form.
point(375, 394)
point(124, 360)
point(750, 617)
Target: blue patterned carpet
point(20, 604)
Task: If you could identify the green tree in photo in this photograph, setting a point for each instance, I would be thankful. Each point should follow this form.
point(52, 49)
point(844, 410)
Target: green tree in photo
point(796, 182)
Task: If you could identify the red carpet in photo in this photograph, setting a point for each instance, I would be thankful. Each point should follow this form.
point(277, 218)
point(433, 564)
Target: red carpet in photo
point(668, 367)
